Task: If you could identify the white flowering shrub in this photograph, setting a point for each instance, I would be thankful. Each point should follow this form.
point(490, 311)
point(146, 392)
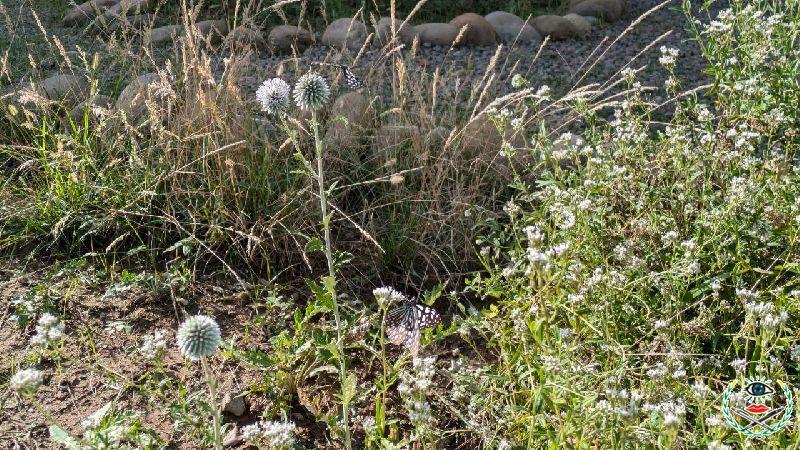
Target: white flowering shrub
point(648, 261)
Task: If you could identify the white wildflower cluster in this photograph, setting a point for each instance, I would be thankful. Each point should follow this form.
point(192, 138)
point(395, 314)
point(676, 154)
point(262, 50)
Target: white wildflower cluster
point(49, 330)
point(765, 314)
point(622, 402)
point(668, 57)
point(153, 345)
point(567, 145)
point(279, 434)
point(701, 390)
point(672, 369)
point(739, 365)
point(672, 412)
point(26, 382)
point(413, 387)
point(717, 420)
point(794, 353)
point(628, 74)
point(543, 92)
point(518, 81)
point(251, 433)
point(743, 137)
point(387, 295)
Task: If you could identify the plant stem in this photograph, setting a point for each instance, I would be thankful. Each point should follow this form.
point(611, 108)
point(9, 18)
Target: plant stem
point(215, 413)
point(323, 205)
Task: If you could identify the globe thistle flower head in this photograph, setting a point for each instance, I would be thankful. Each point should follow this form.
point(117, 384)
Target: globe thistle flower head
point(273, 95)
point(26, 382)
point(311, 91)
point(198, 337)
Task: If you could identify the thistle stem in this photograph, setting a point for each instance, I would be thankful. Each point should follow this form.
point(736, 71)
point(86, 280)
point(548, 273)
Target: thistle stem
point(215, 413)
point(323, 204)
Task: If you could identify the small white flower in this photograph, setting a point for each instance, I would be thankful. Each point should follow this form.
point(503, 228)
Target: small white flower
point(543, 92)
point(668, 56)
point(153, 345)
point(518, 81)
point(26, 382)
point(388, 295)
point(48, 331)
point(279, 435)
point(252, 432)
point(739, 365)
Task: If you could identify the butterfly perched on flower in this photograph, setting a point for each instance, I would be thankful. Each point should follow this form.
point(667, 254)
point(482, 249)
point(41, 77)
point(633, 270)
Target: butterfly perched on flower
point(404, 323)
point(351, 79)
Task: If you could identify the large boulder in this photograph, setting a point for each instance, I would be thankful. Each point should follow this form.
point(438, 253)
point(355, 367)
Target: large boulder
point(442, 34)
point(383, 32)
point(83, 13)
point(608, 10)
point(556, 27)
point(93, 107)
point(580, 23)
point(289, 38)
point(245, 36)
point(510, 28)
point(345, 33)
point(132, 99)
point(479, 32)
point(350, 117)
point(211, 30)
point(138, 22)
point(130, 7)
point(481, 134)
point(65, 88)
point(389, 140)
point(160, 35)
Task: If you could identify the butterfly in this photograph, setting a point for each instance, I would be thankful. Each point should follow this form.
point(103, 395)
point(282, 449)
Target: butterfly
point(351, 79)
point(405, 321)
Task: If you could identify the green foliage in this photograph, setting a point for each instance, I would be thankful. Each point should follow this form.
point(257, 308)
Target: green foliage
point(649, 264)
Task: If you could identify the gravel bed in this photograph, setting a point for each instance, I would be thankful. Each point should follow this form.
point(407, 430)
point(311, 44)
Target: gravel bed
point(559, 65)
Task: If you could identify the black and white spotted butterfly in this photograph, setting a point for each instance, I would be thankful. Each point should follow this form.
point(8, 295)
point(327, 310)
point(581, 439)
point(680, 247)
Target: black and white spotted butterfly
point(404, 323)
point(351, 79)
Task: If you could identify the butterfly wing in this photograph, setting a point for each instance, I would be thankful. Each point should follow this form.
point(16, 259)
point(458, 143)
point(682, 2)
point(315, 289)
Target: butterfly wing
point(352, 80)
point(427, 317)
point(405, 322)
point(400, 324)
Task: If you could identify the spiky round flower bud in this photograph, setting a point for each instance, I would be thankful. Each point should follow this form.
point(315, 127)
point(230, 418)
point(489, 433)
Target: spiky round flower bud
point(311, 91)
point(26, 382)
point(274, 96)
point(198, 337)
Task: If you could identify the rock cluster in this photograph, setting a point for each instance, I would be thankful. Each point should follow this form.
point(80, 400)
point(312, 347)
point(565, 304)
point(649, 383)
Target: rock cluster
point(350, 34)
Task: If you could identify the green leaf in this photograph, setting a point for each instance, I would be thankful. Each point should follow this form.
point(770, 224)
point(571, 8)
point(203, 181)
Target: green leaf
point(59, 435)
point(349, 389)
point(314, 245)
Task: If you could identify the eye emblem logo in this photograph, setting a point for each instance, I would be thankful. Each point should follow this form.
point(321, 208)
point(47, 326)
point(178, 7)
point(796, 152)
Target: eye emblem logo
point(756, 394)
point(757, 409)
